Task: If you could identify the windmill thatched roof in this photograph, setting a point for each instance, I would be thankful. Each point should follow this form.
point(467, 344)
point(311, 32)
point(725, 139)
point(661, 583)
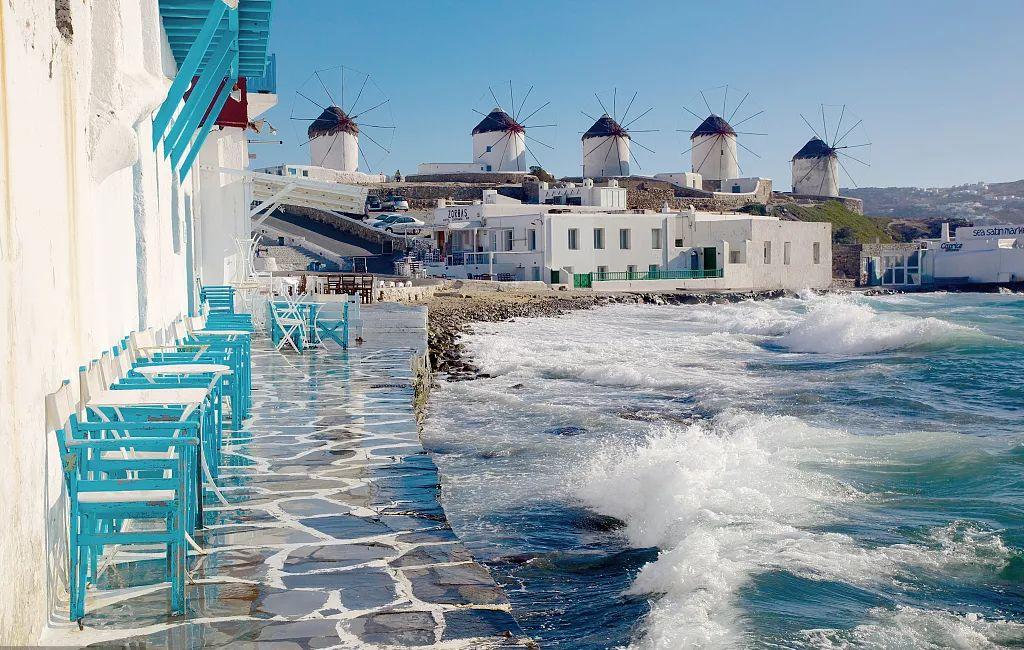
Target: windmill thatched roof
point(815, 148)
point(713, 125)
point(605, 126)
point(497, 121)
point(333, 120)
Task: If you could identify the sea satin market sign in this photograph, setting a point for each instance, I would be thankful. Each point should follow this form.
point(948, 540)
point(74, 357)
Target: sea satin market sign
point(981, 232)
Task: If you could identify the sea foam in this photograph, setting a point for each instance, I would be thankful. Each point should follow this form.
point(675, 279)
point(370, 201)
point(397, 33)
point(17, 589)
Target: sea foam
point(739, 496)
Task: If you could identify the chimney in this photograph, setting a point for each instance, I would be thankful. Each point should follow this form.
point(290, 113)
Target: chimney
point(945, 231)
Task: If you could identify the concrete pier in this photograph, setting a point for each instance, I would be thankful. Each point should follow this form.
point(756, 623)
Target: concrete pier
point(334, 536)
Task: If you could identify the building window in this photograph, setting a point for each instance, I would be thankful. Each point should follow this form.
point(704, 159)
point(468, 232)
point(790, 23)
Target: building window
point(656, 238)
point(653, 269)
point(488, 168)
point(598, 238)
point(574, 239)
point(767, 252)
point(305, 172)
point(631, 270)
point(679, 243)
point(816, 252)
point(786, 246)
point(506, 239)
point(531, 239)
point(488, 150)
point(602, 270)
point(624, 238)
point(734, 257)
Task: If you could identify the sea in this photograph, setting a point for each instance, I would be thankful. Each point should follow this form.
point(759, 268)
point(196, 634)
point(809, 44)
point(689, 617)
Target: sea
point(823, 471)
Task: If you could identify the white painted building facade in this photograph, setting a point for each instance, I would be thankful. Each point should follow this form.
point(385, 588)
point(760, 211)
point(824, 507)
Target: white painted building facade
point(627, 249)
point(98, 237)
point(974, 255)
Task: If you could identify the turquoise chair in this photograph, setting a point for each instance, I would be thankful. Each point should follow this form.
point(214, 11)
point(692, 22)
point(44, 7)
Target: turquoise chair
point(117, 472)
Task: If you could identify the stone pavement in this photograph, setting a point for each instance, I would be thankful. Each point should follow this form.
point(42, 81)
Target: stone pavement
point(334, 536)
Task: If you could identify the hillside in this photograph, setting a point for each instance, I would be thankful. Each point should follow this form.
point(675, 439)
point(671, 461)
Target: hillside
point(976, 202)
point(848, 227)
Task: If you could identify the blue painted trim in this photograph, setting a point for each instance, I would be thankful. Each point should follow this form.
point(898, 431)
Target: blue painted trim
point(204, 131)
point(188, 68)
point(199, 99)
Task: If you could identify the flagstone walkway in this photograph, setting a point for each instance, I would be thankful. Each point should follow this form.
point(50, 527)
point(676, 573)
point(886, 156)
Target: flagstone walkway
point(333, 537)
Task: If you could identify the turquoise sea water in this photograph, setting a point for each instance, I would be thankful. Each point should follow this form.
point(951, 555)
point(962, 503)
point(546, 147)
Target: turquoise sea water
point(828, 471)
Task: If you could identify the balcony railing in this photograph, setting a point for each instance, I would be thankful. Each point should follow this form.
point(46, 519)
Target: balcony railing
point(585, 280)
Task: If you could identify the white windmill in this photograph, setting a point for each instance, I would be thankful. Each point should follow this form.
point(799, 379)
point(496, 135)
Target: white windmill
point(713, 144)
point(816, 165)
point(500, 139)
point(607, 144)
point(334, 136)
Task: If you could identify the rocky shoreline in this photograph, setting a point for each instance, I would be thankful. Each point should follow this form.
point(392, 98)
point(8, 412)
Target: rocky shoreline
point(452, 313)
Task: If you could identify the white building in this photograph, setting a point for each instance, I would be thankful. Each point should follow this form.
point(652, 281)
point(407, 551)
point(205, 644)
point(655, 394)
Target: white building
point(499, 145)
point(606, 149)
point(816, 169)
point(975, 255)
point(611, 248)
point(713, 152)
point(115, 208)
point(690, 180)
point(324, 174)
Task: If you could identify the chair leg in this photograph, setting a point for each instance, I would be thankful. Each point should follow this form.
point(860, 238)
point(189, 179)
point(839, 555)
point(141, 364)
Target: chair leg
point(76, 581)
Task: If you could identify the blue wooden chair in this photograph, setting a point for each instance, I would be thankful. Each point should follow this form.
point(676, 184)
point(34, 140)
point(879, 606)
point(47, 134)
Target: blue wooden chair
point(221, 298)
point(335, 329)
point(118, 472)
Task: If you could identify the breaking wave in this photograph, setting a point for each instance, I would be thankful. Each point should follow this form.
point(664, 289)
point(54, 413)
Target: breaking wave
point(738, 496)
point(844, 325)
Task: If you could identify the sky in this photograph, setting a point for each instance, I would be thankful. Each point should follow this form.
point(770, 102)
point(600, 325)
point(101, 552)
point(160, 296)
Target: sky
point(939, 85)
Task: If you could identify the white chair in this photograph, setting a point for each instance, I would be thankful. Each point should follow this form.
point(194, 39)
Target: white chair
point(291, 321)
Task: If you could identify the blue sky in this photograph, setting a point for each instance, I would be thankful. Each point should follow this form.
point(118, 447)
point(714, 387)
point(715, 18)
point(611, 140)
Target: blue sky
point(939, 85)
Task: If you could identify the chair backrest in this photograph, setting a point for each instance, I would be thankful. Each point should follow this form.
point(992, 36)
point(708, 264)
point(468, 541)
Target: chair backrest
point(91, 381)
point(142, 343)
point(180, 331)
point(123, 364)
point(61, 410)
point(110, 369)
point(197, 322)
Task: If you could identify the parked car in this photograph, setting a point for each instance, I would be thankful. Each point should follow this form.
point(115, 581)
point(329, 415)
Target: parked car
point(373, 204)
point(384, 220)
point(392, 202)
point(405, 225)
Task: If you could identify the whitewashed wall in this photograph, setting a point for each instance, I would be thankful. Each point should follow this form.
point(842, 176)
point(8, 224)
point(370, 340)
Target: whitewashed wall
point(606, 156)
point(507, 154)
point(816, 176)
point(339, 151)
point(94, 241)
point(714, 157)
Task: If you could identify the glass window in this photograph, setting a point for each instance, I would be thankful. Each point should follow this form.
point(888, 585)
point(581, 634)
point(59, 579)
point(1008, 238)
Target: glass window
point(624, 238)
point(488, 148)
point(767, 252)
point(631, 268)
point(574, 239)
point(602, 269)
point(734, 257)
point(817, 252)
point(656, 238)
point(598, 238)
point(786, 247)
point(898, 276)
point(531, 239)
point(653, 269)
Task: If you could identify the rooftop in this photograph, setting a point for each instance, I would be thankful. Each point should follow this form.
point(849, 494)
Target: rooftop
point(713, 125)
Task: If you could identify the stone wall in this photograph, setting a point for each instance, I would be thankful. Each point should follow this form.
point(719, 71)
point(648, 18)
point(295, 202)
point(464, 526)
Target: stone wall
point(850, 203)
point(846, 261)
point(474, 178)
point(345, 225)
point(424, 196)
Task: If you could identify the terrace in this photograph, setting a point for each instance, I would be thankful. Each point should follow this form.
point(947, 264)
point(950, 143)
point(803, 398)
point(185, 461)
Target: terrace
point(330, 533)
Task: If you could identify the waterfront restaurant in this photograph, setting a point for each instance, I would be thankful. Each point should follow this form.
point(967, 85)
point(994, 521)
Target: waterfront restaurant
point(975, 255)
point(583, 236)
